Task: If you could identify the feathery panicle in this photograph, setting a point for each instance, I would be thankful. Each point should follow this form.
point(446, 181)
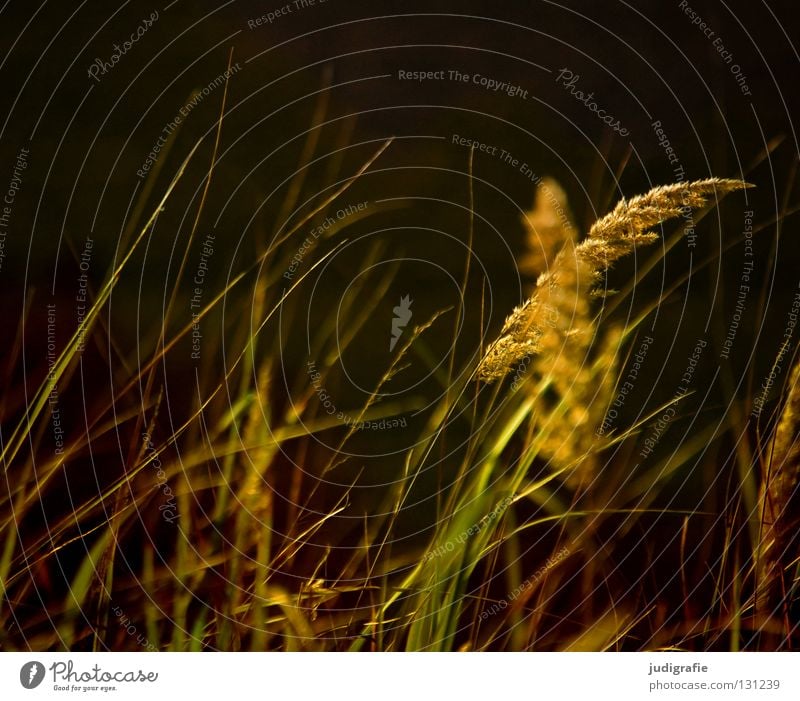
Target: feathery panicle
point(548, 226)
point(611, 237)
point(628, 223)
point(557, 297)
point(778, 500)
point(582, 386)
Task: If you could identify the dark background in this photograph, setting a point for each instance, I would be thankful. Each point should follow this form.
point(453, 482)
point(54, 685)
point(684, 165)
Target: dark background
point(643, 61)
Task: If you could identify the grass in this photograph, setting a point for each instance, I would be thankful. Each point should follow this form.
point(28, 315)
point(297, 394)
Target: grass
point(221, 519)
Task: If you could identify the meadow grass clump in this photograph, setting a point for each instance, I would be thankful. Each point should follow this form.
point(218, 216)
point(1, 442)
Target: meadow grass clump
point(556, 325)
point(257, 553)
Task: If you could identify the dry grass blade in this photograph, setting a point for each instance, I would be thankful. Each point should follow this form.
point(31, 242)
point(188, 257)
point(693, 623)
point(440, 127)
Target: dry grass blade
point(778, 493)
